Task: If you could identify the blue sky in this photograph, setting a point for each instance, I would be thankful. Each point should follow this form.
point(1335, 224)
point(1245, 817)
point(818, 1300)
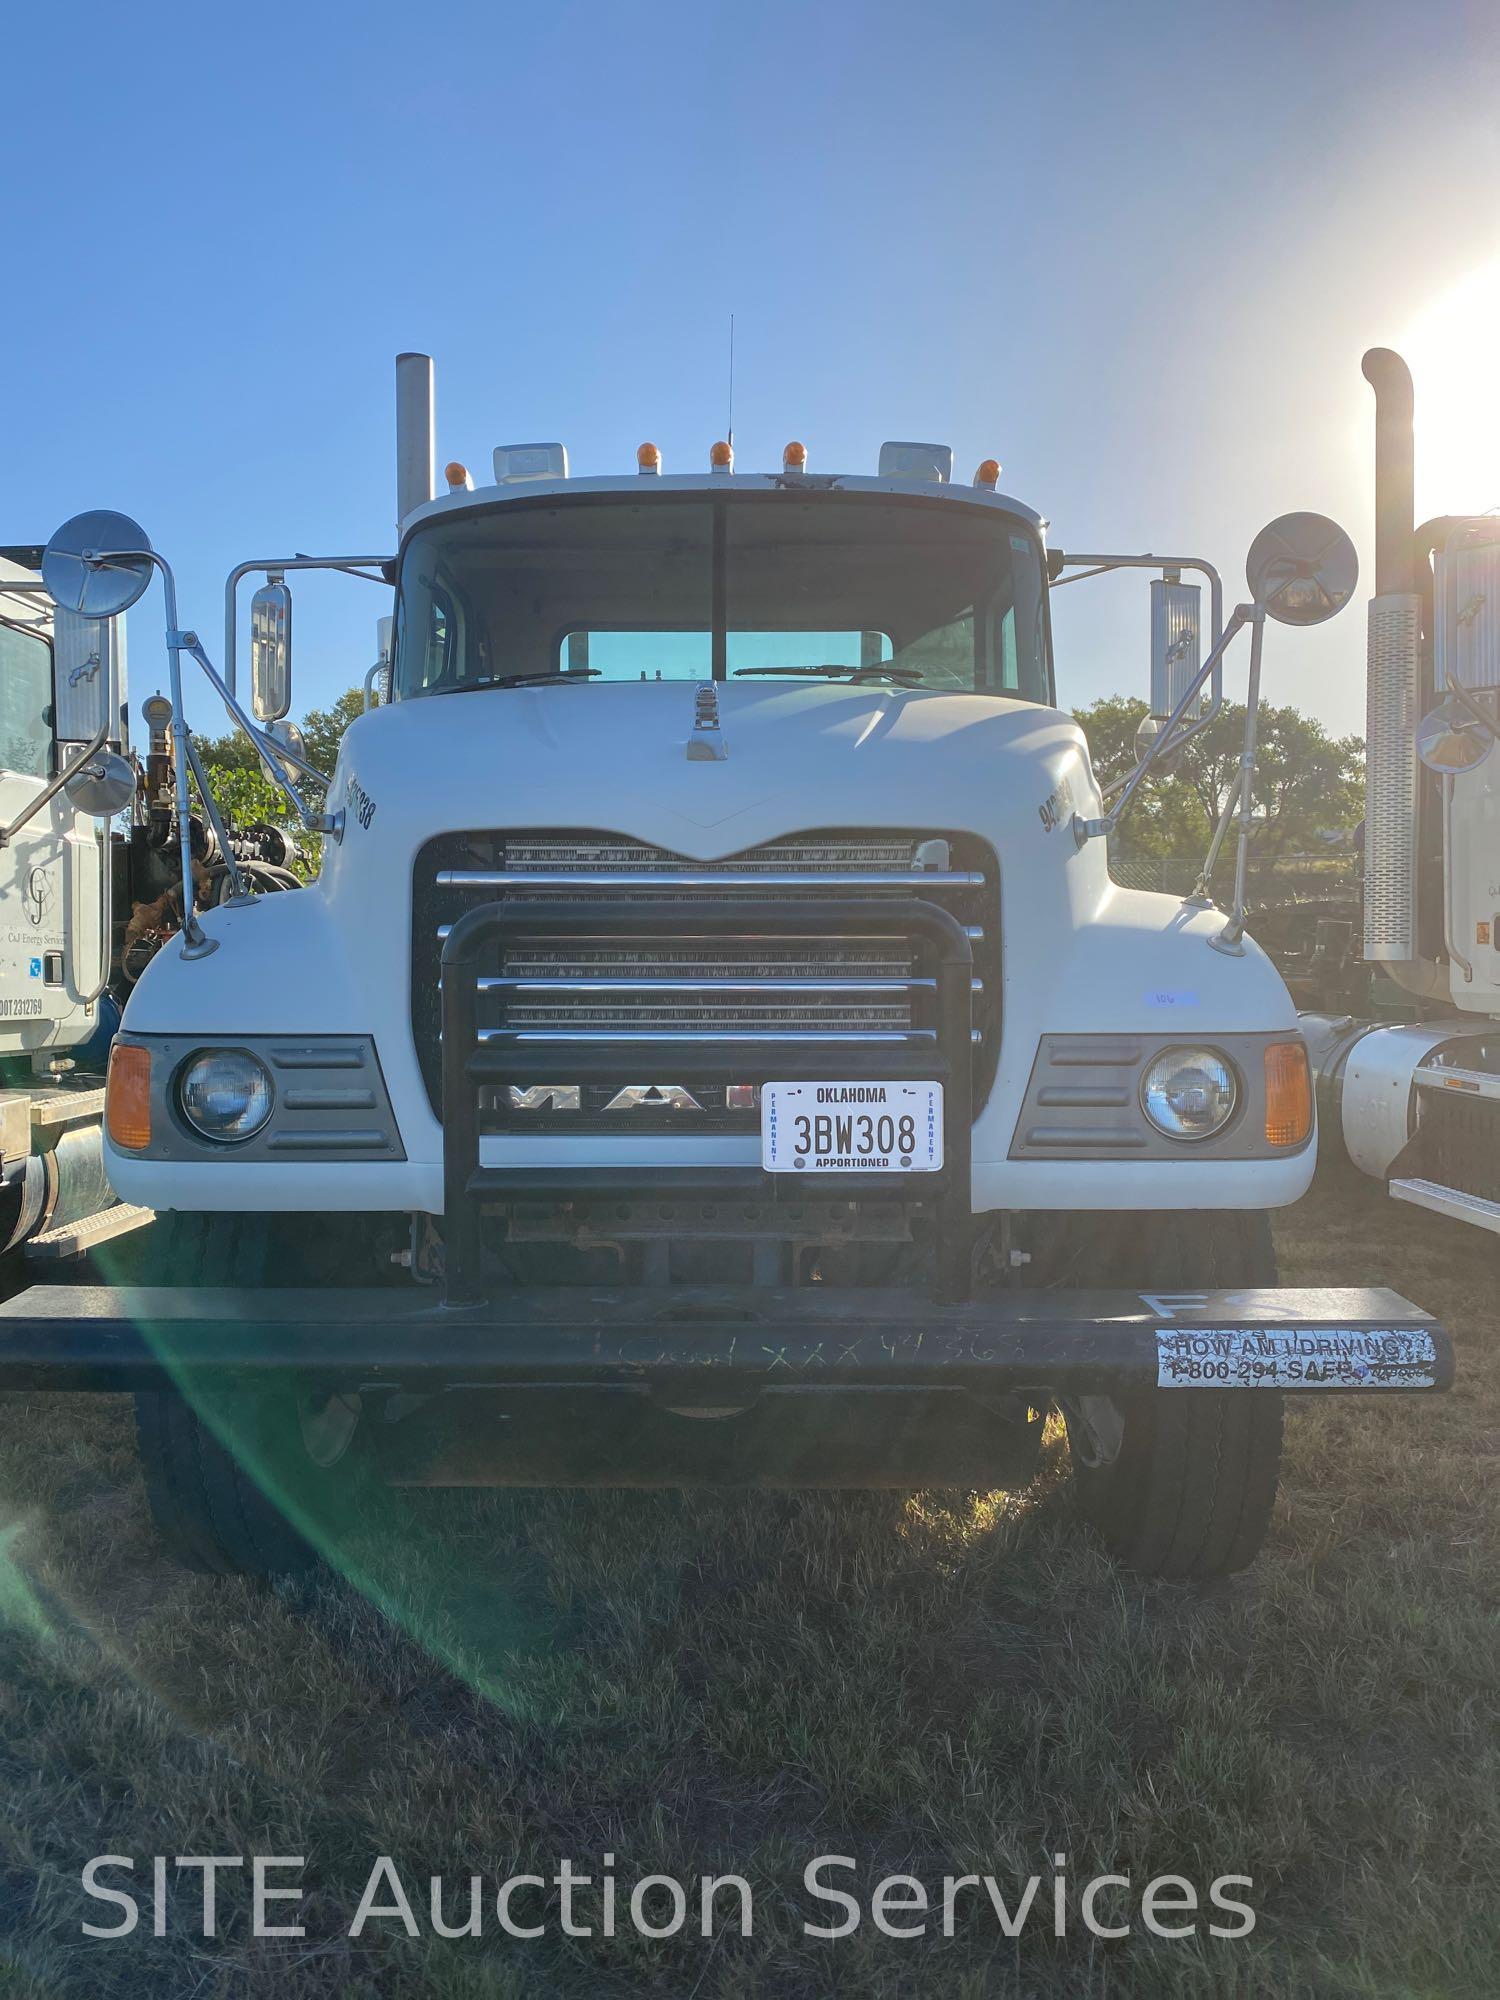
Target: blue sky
point(1135, 252)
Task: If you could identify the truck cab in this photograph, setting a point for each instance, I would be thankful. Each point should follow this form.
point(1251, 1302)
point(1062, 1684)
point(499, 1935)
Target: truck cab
point(738, 1067)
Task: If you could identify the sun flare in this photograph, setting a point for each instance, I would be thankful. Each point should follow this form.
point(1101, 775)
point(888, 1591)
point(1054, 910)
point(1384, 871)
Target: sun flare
point(1452, 349)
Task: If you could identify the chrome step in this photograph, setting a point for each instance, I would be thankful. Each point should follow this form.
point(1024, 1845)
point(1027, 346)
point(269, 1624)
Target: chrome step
point(77, 1239)
point(1472, 1208)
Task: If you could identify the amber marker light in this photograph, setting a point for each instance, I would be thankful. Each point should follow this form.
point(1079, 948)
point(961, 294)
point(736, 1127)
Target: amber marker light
point(1289, 1104)
point(721, 457)
point(988, 473)
point(794, 458)
point(457, 474)
point(127, 1097)
point(648, 458)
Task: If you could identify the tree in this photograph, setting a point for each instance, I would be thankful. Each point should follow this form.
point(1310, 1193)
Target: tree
point(243, 792)
point(1307, 783)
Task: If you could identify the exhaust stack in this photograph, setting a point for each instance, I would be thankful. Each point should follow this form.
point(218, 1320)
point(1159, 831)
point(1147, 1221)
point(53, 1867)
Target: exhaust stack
point(1393, 691)
point(414, 434)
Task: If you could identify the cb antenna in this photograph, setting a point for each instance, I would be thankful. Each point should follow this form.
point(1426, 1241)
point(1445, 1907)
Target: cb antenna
point(730, 438)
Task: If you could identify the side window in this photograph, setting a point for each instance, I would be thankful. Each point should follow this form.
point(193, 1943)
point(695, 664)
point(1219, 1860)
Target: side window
point(25, 703)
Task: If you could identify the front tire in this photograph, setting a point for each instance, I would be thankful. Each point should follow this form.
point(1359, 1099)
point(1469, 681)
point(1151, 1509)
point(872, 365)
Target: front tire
point(255, 1482)
point(1177, 1484)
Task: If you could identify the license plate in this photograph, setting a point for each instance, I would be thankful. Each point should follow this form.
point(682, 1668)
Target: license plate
point(851, 1128)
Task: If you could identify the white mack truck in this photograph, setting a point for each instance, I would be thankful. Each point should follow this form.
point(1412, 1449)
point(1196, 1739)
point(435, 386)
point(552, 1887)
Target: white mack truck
point(740, 1069)
point(1417, 1101)
point(62, 728)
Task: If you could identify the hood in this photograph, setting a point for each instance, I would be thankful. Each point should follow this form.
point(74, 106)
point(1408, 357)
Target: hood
point(615, 756)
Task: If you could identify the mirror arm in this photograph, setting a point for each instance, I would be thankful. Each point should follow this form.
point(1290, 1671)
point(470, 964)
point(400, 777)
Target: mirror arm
point(351, 566)
point(237, 891)
point(54, 785)
point(1088, 566)
point(1232, 938)
point(381, 666)
point(1094, 829)
point(276, 756)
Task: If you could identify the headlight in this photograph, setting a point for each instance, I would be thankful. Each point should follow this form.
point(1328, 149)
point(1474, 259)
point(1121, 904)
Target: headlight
point(1189, 1093)
point(225, 1094)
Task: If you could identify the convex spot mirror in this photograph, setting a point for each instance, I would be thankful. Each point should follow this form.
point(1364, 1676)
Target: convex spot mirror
point(1301, 569)
point(271, 650)
point(103, 784)
point(1148, 729)
point(97, 564)
point(1452, 738)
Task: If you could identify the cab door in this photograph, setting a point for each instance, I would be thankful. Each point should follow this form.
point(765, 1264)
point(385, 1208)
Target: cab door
point(50, 869)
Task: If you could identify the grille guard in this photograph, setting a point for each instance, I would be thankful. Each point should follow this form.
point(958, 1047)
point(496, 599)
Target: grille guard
point(471, 1062)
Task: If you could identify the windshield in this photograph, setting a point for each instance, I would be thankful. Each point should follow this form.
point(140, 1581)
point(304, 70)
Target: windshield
point(916, 592)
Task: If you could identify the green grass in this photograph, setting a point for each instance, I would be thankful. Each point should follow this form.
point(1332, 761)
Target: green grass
point(933, 1684)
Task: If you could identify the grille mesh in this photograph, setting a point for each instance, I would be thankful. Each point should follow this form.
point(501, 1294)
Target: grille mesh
point(778, 967)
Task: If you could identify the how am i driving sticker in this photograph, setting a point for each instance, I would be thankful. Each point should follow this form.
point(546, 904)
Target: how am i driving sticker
point(1279, 1357)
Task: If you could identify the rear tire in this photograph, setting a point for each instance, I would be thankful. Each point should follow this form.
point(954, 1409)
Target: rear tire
point(1178, 1485)
point(224, 1471)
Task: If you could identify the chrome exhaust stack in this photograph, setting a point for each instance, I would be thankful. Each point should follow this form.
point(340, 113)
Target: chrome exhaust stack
point(1393, 693)
point(414, 434)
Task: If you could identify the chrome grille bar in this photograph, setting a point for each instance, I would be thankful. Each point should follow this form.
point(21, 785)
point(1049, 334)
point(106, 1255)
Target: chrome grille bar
point(973, 932)
point(625, 1037)
point(752, 988)
point(913, 881)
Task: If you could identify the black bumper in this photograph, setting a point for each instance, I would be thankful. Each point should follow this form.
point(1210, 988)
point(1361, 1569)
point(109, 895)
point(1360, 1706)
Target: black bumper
point(691, 1345)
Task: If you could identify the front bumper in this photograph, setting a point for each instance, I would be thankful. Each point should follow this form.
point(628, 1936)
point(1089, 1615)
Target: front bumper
point(697, 1346)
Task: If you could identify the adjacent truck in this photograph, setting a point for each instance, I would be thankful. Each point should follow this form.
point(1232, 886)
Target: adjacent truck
point(741, 1068)
point(62, 727)
point(1416, 1102)
point(88, 894)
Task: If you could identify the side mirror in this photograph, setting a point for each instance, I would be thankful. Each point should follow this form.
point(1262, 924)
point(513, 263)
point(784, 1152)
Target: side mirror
point(88, 673)
point(103, 784)
point(1302, 569)
point(97, 564)
point(1147, 730)
point(1176, 645)
point(271, 650)
point(1453, 738)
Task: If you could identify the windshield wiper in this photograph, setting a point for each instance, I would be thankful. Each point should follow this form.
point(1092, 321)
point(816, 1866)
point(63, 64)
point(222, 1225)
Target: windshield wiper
point(827, 669)
point(520, 680)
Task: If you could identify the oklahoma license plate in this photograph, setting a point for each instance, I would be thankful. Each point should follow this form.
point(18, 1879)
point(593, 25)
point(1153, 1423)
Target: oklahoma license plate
point(851, 1128)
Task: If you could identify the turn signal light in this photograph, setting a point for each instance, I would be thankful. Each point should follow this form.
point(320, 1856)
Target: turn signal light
point(127, 1099)
point(721, 456)
point(648, 458)
point(1289, 1105)
point(794, 458)
point(988, 473)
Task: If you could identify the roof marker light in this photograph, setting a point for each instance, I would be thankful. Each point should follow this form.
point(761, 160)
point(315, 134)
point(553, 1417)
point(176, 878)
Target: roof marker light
point(721, 457)
point(457, 476)
point(794, 458)
point(648, 458)
point(988, 473)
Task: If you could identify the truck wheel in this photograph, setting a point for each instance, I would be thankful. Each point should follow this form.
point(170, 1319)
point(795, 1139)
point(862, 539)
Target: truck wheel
point(1178, 1485)
point(246, 1482)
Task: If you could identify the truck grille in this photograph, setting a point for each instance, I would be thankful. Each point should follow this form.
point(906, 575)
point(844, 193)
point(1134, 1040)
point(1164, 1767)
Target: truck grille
point(584, 992)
